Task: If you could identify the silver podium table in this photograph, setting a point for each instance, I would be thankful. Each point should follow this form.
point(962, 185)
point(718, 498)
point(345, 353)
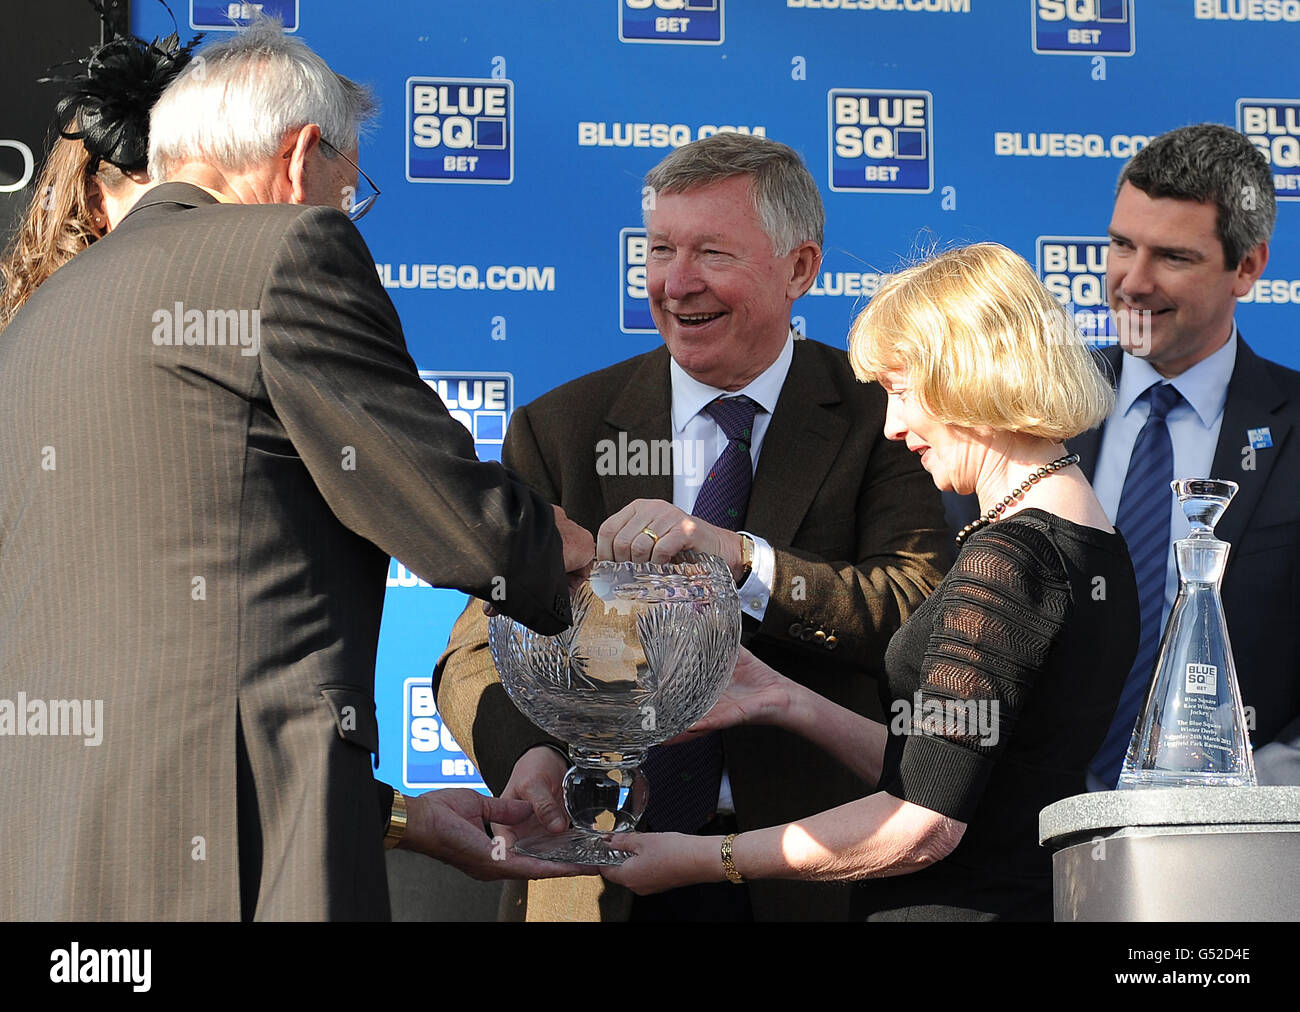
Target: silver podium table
point(1186, 854)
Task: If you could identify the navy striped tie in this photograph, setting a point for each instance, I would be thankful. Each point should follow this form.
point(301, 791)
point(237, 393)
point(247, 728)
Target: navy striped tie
point(1143, 519)
point(684, 779)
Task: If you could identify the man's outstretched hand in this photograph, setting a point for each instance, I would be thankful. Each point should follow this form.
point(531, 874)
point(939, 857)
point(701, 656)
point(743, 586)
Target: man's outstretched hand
point(449, 825)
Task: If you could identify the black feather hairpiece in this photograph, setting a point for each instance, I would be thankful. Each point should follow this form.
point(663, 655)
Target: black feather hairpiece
point(106, 104)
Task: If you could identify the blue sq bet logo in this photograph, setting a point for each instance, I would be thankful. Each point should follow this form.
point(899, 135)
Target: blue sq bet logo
point(1073, 268)
point(634, 301)
point(430, 756)
point(228, 15)
point(480, 401)
point(1082, 26)
point(881, 141)
point(698, 22)
point(459, 130)
point(1273, 126)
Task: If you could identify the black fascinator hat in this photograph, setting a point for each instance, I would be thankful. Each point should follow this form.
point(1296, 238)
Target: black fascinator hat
point(106, 105)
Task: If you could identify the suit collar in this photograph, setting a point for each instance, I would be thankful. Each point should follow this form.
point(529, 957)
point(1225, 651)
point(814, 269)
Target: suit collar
point(185, 195)
point(643, 409)
point(804, 435)
point(802, 430)
point(647, 395)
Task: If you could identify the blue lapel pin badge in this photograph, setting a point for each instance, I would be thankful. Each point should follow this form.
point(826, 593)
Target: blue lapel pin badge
point(1259, 439)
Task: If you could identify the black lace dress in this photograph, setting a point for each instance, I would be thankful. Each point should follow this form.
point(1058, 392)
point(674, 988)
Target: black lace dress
point(1000, 689)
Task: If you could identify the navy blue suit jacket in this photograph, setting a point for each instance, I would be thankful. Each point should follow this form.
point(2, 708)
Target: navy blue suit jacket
point(1261, 585)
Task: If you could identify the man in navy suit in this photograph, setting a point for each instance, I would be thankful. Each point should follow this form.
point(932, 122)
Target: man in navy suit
point(1189, 234)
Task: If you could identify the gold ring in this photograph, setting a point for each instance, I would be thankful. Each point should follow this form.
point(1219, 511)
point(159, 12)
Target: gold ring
point(653, 536)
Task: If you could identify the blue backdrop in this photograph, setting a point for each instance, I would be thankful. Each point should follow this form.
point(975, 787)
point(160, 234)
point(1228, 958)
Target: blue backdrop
point(514, 135)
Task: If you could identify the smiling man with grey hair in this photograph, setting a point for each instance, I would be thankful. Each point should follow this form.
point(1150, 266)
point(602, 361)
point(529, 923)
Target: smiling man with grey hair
point(832, 532)
point(199, 536)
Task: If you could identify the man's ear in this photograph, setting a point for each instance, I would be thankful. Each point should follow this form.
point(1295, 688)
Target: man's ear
point(1249, 270)
point(806, 259)
point(296, 146)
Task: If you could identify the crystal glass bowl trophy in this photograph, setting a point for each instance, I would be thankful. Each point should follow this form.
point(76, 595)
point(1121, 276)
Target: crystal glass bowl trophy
point(1191, 731)
point(650, 651)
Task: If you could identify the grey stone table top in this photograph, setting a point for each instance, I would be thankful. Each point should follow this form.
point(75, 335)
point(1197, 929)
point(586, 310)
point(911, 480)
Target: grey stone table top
point(1180, 806)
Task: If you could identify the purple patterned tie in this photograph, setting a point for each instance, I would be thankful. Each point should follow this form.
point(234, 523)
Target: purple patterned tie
point(684, 779)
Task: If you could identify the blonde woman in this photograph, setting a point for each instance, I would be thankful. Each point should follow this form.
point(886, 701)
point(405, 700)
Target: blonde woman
point(1002, 684)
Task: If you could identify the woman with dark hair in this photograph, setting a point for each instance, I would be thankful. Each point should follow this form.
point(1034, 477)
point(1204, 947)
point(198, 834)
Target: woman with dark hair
point(96, 170)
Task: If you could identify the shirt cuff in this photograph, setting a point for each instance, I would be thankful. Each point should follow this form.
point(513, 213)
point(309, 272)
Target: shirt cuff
point(756, 591)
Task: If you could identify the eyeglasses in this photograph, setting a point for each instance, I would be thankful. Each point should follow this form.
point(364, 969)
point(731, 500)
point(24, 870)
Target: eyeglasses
point(357, 203)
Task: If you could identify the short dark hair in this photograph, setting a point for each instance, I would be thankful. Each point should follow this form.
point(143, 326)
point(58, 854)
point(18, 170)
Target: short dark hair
point(1211, 162)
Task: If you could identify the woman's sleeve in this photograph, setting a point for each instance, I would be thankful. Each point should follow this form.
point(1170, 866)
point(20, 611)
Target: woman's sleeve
point(1004, 606)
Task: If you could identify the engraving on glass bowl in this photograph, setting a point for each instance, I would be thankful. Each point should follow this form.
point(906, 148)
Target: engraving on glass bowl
point(651, 649)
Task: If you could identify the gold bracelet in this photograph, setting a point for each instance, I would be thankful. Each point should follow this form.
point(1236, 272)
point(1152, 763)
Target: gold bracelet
point(396, 822)
point(728, 865)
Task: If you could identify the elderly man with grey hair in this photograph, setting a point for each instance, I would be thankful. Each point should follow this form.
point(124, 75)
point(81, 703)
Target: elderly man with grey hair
point(215, 438)
point(833, 533)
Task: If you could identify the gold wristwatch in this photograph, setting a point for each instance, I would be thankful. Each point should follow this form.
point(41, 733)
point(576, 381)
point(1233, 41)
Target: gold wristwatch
point(396, 822)
point(746, 558)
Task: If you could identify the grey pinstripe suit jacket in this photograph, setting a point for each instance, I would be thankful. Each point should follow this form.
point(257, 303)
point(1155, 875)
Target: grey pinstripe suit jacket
point(197, 536)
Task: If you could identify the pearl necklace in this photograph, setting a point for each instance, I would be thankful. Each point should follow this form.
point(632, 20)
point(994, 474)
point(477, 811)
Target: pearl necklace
point(1018, 492)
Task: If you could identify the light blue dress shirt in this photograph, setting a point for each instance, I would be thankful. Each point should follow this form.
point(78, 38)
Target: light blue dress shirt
point(1193, 430)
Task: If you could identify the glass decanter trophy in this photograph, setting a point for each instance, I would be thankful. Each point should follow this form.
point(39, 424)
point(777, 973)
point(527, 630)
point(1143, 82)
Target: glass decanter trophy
point(650, 651)
point(1191, 731)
